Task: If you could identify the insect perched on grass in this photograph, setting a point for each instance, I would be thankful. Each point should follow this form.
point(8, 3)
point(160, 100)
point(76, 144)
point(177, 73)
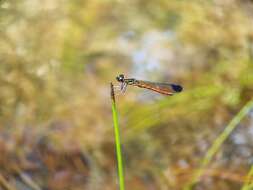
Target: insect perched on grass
point(162, 88)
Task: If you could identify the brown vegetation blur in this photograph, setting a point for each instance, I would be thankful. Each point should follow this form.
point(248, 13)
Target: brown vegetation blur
point(57, 59)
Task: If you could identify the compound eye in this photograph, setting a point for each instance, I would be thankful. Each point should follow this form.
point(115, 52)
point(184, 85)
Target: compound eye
point(120, 78)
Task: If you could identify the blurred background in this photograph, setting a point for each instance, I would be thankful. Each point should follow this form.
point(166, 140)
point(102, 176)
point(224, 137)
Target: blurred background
point(57, 59)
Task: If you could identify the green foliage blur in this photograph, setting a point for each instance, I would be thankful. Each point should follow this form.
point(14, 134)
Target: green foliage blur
point(57, 59)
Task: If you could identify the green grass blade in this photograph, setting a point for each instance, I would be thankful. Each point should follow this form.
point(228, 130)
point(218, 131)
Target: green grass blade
point(117, 141)
point(248, 185)
point(218, 142)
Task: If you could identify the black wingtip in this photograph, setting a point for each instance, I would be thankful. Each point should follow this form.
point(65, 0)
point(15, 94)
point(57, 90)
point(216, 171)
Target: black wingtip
point(177, 88)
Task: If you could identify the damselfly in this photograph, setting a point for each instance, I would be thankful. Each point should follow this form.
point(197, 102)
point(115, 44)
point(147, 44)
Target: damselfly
point(163, 88)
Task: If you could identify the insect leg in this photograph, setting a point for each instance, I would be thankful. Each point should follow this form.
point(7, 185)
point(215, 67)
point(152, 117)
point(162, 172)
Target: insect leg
point(123, 87)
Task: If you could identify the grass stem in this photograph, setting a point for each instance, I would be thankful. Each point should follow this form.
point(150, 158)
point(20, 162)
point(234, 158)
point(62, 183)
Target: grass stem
point(218, 142)
point(248, 184)
point(117, 141)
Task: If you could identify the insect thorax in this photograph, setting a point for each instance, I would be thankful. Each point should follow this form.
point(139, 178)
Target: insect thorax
point(130, 81)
